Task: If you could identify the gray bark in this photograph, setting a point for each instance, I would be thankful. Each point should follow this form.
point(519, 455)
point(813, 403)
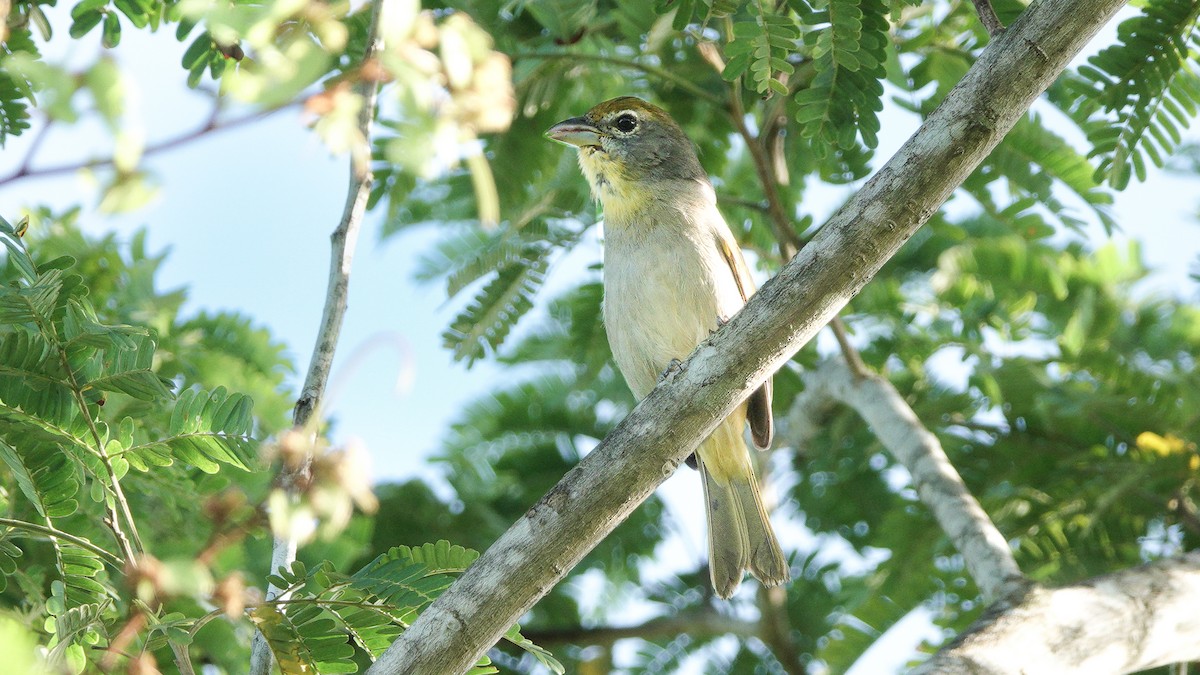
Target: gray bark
point(1132, 620)
point(541, 547)
point(342, 242)
point(984, 550)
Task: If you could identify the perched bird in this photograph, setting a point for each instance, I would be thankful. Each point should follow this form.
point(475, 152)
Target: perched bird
point(673, 273)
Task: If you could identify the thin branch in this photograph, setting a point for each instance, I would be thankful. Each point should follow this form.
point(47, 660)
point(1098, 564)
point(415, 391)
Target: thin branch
point(660, 73)
point(1129, 621)
point(34, 146)
point(203, 621)
point(776, 630)
point(987, 16)
point(183, 660)
point(113, 520)
point(984, 550)
point(774, 624)
point(52, 533)
point(211, 125)
point(342, 245)
point(1181, 504)
point(781, 224)
point(853, 358)
point(667, 425)
point(698, 623)
point(753, 205)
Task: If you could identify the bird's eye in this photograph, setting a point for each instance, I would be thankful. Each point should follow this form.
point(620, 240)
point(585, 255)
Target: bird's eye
point(626, 123)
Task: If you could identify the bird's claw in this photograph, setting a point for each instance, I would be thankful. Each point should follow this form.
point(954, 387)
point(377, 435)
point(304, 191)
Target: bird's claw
point(721, 321)
point(673, 368)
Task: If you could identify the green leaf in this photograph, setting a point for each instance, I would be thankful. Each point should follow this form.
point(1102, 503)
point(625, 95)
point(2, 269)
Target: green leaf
point(33, 303)
point(111, 37)
point(1131, 96)
point(196, 52)
point(207, 429)
point(762, 47)
point(84, 23)
point(543, 656)
point(105, 83)
point(17, 255)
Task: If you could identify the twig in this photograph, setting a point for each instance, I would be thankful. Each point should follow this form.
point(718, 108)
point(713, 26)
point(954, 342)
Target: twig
point(183, 660)
point(775, 629)
point(544, 544)
point(987, 16)
point(753, 205)
point(697, 623)
point(789, 242)
point(113, 519)
point(203, 621)
point(35, 145)
point(1181, 504)
point(342, 244)
point(211, 125)
point(984, 550)
point(661, 73)
point(53, 533)
point(774, 624)
point(853, 357)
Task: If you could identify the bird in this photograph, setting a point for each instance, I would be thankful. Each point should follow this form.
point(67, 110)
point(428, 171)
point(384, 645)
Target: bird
point(672, 275)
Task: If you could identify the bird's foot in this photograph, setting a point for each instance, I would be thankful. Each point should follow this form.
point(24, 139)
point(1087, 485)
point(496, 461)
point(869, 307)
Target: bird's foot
point(673, 368)
point(721, 321)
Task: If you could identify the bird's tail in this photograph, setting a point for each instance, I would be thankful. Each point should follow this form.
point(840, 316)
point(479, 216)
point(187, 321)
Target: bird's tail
point(740, 537)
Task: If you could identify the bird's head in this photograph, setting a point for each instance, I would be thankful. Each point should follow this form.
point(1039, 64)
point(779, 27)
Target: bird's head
point(630, 151)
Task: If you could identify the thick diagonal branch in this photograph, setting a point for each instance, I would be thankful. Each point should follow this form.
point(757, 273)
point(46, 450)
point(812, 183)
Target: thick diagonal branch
point(552, 537)
point(984, 550)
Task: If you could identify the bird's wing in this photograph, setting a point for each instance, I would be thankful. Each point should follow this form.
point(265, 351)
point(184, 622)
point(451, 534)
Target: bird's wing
point(758, 406)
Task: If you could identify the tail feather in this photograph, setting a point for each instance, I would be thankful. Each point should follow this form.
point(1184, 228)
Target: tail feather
point(728, 541)
point(740, 537)
point(767, 563)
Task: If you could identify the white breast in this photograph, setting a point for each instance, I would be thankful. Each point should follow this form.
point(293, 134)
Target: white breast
point(665, 285)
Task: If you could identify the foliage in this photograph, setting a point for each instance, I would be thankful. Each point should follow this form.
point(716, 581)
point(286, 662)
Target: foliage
point(841, 102)
point(1061, 389)
point(93, 432)
point(1043, 329)
point(371, 607)
point(1133, 98)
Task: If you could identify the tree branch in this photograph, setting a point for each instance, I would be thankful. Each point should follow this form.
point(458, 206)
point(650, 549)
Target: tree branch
point(53, 533)
point(983, 548)
point(1132, 620)
point(789, 242)
point(701, 622)
point(342, 245)
point(611, 481)
point(987, 16)
point(661, 73)
point(775, 630)
point(210, 125)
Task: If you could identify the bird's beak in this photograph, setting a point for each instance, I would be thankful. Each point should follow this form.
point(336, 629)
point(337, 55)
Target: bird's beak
point(576, 131)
